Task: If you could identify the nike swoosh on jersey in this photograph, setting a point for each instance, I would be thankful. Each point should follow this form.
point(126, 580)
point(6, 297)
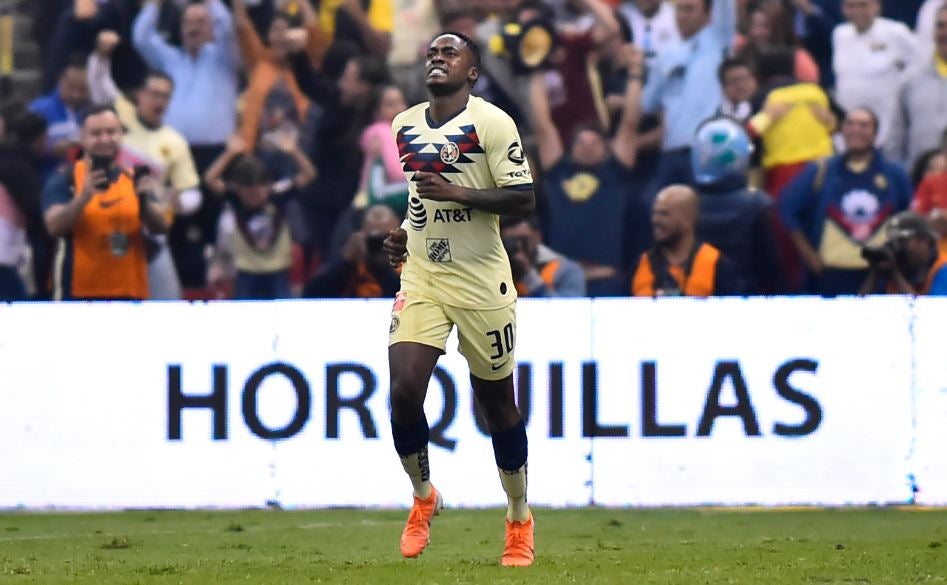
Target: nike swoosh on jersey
point(495, 367)
point(106, 204)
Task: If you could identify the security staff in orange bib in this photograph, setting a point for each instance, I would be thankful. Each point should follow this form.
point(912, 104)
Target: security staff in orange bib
point(100, 213)
point(679, 264)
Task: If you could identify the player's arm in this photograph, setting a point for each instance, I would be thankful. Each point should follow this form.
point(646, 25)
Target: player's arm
point(519, 201)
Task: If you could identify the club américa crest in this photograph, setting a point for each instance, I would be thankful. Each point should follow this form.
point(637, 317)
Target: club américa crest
point(449, 153)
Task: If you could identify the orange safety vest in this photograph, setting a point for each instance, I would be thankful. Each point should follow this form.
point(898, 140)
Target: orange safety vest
point(547, 273)
point(699, 283)
point(97, 272)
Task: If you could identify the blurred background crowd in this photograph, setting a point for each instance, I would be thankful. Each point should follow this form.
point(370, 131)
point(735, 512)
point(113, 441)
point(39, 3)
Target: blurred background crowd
point(208, 149)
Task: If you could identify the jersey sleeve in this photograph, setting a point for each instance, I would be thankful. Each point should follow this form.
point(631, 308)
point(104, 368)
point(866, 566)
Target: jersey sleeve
point(505, 154)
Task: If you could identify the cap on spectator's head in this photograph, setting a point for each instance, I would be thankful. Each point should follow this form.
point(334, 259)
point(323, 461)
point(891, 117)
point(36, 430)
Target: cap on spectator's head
point(249, 171)
point(907, 224)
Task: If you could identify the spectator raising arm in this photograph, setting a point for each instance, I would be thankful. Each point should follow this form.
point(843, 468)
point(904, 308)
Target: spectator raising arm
point(102, 87)
point(723, 20)
point(214, 177)
point(148, 41)
point(225, 41)
point(606, 25)
point(624, 145)
point(251, 47)
point(547, 136)
point(377, 40)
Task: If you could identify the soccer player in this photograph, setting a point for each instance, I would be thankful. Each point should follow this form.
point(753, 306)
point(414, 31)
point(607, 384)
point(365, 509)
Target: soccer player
point(465, 164)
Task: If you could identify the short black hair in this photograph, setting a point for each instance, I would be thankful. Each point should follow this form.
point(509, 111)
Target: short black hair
point(157, 74)
point(95, 111)
point(471, 44)
point(731, 63)
point(919, 170)
point(248, 171)
point(27, 127)
point(74, 61)
point(775, 63)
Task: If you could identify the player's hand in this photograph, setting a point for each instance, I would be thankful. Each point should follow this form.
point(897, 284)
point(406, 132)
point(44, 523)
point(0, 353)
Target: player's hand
point(396, 246)
point(435, 187)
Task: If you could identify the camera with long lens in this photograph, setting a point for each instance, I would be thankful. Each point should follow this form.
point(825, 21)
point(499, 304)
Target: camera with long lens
point(875, 255)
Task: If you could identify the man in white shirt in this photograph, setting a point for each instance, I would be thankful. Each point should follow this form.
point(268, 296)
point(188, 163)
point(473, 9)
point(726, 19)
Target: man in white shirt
point(924, 27)
point(652, 23)
point(871, 58)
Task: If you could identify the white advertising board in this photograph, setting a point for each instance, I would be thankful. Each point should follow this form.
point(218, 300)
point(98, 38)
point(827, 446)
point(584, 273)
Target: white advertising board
point(241, 404)
point(929, 459)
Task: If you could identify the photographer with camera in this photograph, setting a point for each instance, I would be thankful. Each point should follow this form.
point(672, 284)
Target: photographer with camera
point(363, 271)
point(538, 271)
point(909, 263)
point(100, 212)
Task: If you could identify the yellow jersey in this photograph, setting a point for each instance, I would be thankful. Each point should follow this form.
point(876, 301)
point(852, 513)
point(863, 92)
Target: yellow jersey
point(455, 253)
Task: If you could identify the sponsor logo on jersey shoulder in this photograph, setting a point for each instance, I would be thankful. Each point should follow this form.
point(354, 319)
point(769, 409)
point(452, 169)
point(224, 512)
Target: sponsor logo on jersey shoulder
point(438, 250)
point(515, 153)
point(449, 153)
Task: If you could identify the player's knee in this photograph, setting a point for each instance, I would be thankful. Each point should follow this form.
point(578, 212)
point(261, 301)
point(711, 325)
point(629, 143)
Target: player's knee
point(407, 402)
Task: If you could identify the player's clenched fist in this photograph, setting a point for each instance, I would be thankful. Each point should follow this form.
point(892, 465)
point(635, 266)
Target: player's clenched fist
point(434, 187)
point(396, 246)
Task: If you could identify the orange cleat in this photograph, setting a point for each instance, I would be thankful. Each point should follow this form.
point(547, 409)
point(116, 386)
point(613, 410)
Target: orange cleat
point(518, 551)
point(417, 531)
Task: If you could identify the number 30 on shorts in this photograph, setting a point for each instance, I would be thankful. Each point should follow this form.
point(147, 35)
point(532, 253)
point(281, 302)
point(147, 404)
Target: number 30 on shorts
point(503, 342)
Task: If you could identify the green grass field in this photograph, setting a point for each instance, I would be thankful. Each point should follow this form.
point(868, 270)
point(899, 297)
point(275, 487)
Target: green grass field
point(666, 547)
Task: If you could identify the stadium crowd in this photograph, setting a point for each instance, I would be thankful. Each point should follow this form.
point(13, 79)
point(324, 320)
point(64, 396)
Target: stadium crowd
point(206, 149)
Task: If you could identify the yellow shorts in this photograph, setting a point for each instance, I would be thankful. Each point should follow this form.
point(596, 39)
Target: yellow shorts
point(487, 338)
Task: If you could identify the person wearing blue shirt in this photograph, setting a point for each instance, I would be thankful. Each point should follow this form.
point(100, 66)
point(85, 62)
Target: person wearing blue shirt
point(204, 69)
point(838, 205)
point(588, 187)
point(61, 107)
point(682, 81)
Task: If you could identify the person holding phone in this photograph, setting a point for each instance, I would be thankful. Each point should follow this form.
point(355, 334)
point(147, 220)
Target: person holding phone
point(100, 211)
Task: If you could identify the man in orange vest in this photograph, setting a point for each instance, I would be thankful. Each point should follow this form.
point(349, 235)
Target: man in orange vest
point(538, 271)
point(679, 264)
point(100, 212)
point(910, 262)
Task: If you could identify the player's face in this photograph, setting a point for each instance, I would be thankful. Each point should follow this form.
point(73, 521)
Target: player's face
point(449, 66)
point(589, 149)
